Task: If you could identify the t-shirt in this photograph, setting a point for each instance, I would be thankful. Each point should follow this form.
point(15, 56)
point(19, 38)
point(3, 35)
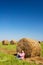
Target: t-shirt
point(22, 55)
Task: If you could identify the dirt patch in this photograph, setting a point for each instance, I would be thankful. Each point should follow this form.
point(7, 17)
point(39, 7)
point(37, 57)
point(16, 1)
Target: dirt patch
point(37, 60)
point(7, 51)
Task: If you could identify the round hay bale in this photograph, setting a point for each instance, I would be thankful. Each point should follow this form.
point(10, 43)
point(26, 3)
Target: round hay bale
point(31, 47)
point(39, 41)
point(5, 42)
point(12, 42)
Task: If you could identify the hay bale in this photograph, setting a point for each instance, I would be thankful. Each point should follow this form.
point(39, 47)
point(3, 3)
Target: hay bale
point(5, 42)
point(12, 42)
point(31, 47)
point(39, 41)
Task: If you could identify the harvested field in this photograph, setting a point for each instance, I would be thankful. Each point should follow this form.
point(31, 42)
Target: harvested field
point(10, 49)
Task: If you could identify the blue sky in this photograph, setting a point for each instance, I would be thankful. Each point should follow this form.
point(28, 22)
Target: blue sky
point(21, 18)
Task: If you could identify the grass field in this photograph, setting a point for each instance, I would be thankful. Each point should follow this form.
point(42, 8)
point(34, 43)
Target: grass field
point(8, 59)
point(42, 49)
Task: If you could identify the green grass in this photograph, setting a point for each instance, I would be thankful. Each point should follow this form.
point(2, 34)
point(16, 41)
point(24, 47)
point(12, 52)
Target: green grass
point(8, 47)
point(41, 48)
point(6, 59)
